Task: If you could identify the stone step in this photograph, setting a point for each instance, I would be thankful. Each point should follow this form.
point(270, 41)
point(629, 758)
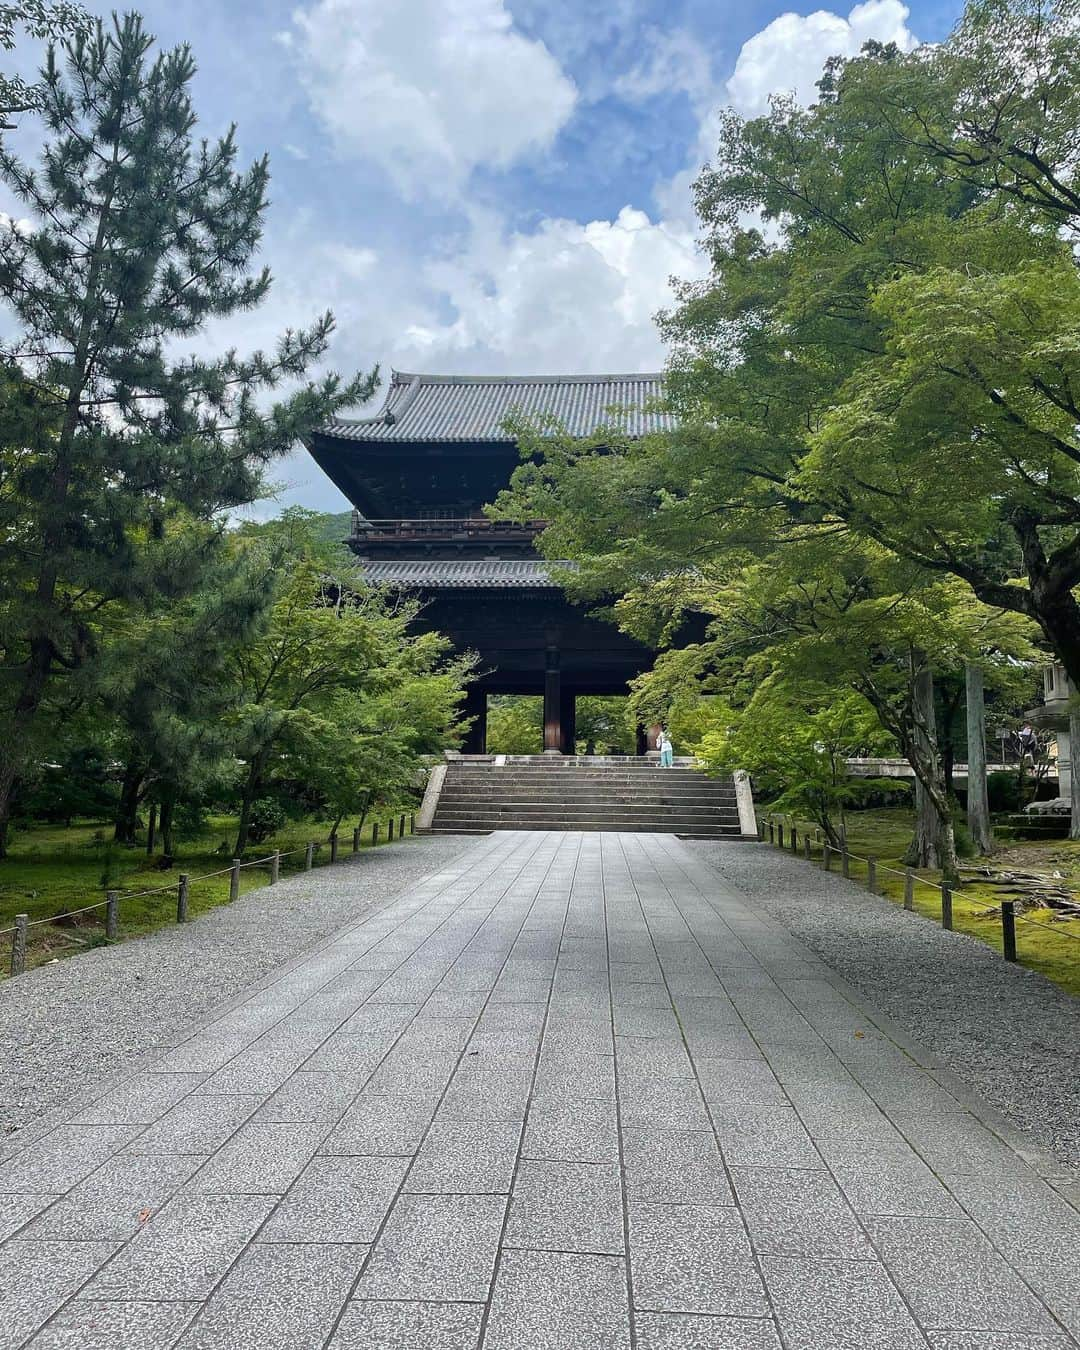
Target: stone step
point(569, 820)
point(589, 828)
point(574, 794)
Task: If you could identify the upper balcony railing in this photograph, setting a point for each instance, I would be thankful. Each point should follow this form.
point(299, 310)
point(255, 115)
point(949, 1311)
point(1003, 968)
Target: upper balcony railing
point(443, 528)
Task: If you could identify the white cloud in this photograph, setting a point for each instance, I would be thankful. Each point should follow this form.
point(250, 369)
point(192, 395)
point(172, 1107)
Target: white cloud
point(788, 55)
point(675, 63)
point(567, 297)
point(429, 89)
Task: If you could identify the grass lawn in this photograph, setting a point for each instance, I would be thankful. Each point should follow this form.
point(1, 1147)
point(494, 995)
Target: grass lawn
point(52, 870)
point(1044, 941)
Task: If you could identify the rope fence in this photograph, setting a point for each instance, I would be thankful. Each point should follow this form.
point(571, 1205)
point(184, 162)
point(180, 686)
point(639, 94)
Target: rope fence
point(19, 931)
point(784, 832)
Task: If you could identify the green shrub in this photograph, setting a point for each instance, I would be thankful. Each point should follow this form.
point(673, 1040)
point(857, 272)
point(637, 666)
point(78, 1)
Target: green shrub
point(267, 817)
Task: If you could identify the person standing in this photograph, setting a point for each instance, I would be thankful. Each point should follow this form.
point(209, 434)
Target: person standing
point(667, 753)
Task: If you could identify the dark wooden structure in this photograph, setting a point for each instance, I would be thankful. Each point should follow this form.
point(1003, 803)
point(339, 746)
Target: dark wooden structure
point(419, 473)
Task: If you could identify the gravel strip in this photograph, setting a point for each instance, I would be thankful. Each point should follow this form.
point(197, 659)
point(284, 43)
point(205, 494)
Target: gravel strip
point(1006, 1030)
point(68, 1026)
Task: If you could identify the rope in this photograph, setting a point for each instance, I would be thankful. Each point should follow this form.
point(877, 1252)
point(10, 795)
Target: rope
point(937, 885)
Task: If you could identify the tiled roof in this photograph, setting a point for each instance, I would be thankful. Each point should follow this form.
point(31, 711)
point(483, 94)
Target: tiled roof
point(474, 407)
point(457, 574)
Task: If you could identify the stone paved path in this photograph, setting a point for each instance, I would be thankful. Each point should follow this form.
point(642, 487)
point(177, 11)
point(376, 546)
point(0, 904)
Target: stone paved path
point(567, 1094)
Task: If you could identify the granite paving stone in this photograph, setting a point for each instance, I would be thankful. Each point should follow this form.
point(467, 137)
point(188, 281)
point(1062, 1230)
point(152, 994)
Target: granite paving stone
point(372, 1324)
point(337, 1199)
point(89, 1325)
point(685, 1331)
point(117, 1199)
point(566, 1207)
point(572, 1131)
point(260, 1158)
point(952, 1277)
point(567, 1093)
point(184, 1249)
point(439, 1247)
point(839, 1305)
point(17, 1211)
point(278, 1296)
point(668, 1166)
point(799, 1213)
point(381, 1123)
point(141, 1100)
point(559, 1301)
point(36, 1277)
point(198, 1124)
point(693, 1259)
point(466, 1157)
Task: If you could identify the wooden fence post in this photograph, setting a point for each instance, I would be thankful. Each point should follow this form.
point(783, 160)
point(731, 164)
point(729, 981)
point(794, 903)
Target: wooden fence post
point(871, 874)
point(1008, 929)
point(412, 823)
point(18, 944)
point(112, 914)
point(946, 907)
point(356, 840)
point(333, 847)
point(826, 857)
point(779, 834)
point(772, 833)
point(234, 881)
point(275, 866)
point(374, 834)
point(309, 857)
point(390, 830)
point(806, 847)
point(845, 861)
point(909, 888)
point(182, 898)
point(401, 828)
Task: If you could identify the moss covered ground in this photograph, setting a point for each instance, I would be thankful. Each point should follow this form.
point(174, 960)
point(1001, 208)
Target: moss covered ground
point(52, 870)
point(1044, 941)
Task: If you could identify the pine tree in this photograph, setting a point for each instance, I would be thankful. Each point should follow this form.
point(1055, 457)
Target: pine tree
point(113, 438)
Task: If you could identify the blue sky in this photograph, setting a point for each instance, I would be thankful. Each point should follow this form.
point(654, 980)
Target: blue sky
point(485, 186)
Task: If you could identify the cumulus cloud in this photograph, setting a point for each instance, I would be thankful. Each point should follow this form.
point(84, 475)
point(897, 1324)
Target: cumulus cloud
point(788, 55)
point(565, 297)
point(429, 89)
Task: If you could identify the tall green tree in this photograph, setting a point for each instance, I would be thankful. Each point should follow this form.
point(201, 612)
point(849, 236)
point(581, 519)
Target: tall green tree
point(335, 692)
point(110, 435)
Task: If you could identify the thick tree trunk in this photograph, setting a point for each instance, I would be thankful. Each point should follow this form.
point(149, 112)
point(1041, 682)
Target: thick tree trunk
point(127, 812)
point(151, 830)
point(251, 789)
point(1074, 769)
point(978, 805)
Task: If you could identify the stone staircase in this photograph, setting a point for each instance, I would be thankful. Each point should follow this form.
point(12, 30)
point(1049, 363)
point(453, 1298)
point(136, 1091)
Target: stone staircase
point(548, 792)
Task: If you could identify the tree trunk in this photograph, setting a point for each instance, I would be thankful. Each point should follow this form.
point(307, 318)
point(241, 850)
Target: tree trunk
point(168, 806)
point(1074, 769)
point(978, 804)
point(151, 830)
point(127, 812)
point(251, 789)
point(934, 843)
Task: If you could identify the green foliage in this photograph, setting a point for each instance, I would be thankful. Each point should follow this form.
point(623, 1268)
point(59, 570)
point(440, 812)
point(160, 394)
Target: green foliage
point(42, 19)
point(795, 740)
point(265, 818)
point(120, 445)
point(515, 724)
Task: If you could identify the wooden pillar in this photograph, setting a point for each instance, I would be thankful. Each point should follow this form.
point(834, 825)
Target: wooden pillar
point(475, 742)
point(641, 741)
point(568, 719)
point(553, 739)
